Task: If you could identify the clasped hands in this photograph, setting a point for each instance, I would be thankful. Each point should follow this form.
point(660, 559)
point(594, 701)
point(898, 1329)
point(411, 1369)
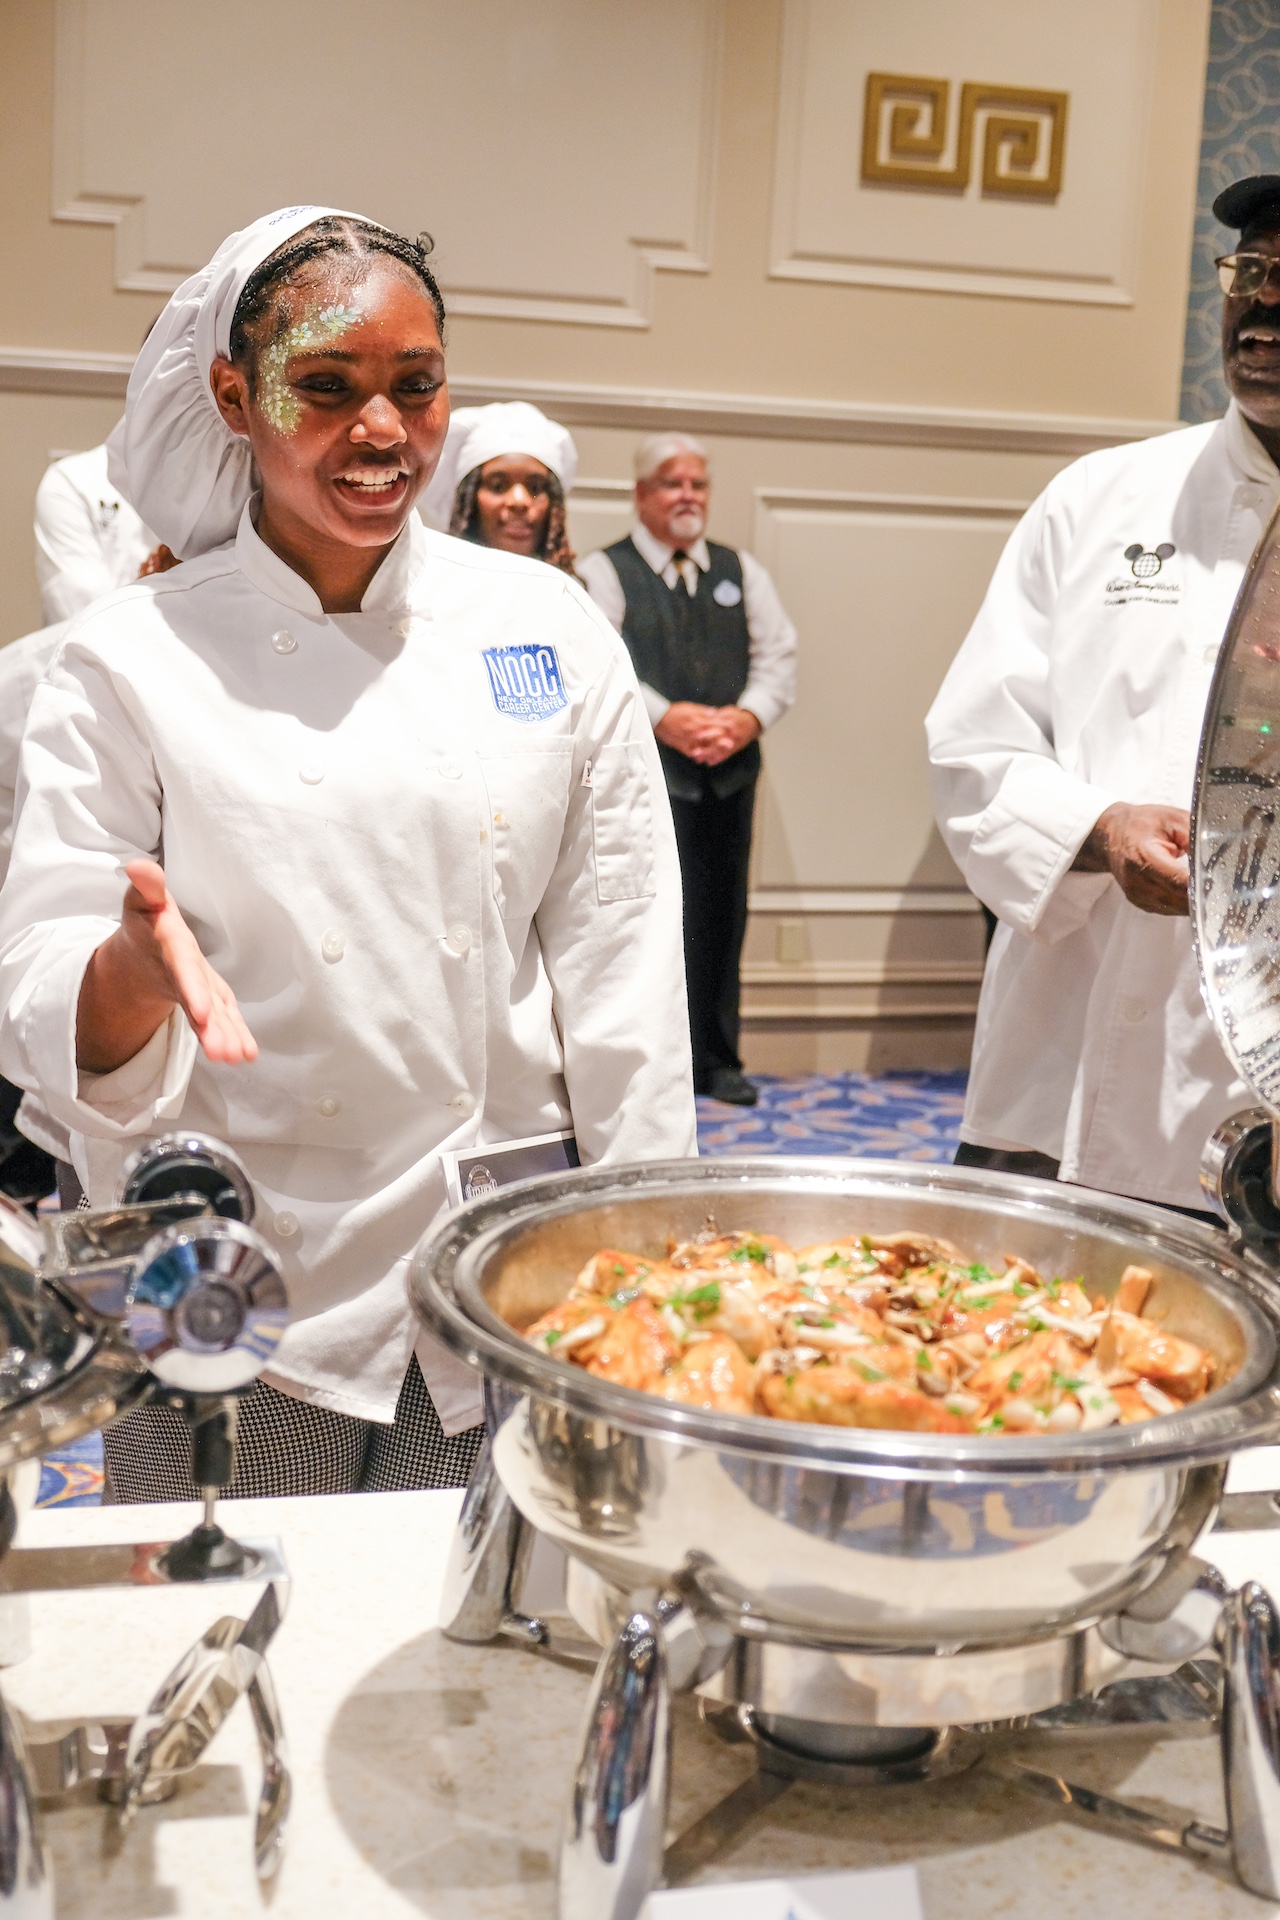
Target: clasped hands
point(707, 734)
point(1146, 849)
point(150, 965)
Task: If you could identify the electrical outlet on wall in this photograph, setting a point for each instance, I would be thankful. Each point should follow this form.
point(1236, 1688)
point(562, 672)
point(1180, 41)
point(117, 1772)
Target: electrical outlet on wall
point(793, 942)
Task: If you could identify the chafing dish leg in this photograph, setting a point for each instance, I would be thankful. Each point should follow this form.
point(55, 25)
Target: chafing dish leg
point(26, 1885)
point(611, 1855)
point(487, 1564)
point(1250, 1641)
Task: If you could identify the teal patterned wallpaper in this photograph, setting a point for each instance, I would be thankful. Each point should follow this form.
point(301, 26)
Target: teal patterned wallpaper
point(1241, 136)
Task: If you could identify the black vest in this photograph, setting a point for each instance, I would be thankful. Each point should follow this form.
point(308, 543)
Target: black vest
point(689, 648)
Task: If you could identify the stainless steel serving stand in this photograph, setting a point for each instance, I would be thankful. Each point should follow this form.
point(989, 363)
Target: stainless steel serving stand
point(169, 1295)
point(800, 1581)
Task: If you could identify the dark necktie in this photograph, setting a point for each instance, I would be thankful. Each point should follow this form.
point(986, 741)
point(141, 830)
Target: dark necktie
point(687, 571)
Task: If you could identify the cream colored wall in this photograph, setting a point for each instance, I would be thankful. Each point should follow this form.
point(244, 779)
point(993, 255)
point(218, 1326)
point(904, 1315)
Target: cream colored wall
point(872, 442)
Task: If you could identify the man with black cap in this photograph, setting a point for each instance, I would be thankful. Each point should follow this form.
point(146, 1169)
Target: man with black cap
point(1063, 745)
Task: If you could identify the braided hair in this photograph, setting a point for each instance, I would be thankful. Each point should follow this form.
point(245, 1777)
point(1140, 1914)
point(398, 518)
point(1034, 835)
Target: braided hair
point(340, 234)
point(555, 549)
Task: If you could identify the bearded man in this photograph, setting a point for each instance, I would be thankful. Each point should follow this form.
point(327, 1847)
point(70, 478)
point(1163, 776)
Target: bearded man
point(715, 655)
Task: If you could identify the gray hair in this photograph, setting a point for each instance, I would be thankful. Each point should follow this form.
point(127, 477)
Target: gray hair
point(661, 447)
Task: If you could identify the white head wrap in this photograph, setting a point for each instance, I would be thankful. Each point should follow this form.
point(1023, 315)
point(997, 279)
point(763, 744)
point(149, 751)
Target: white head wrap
point(477, 434)
point(173, 457)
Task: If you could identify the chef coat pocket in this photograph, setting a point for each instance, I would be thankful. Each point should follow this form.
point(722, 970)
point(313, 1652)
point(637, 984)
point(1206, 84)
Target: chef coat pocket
point(528, 790)
point(621, 824)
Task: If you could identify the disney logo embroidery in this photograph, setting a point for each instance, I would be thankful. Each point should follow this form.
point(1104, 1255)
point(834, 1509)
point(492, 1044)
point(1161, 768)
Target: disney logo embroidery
point(1146, 565)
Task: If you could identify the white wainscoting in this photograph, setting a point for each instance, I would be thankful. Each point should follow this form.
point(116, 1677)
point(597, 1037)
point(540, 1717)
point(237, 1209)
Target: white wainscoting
point(155, 134)
point(1079, 247)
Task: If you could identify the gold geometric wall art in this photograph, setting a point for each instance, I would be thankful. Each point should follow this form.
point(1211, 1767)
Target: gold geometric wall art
point(906, 136)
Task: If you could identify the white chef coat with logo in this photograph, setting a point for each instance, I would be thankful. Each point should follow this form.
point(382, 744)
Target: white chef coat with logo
point(89, 540)
point(771, 668)
point(429, 847)
point(1083, 682)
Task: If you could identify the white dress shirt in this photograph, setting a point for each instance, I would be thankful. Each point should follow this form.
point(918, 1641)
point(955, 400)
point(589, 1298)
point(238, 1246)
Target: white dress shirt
point(1083, 682)
point(89, 540)
point(23, 664)
point(429, 847)
point(771, 673)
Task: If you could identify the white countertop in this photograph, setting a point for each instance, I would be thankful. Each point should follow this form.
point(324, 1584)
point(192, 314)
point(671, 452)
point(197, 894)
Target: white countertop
point(429, 1777)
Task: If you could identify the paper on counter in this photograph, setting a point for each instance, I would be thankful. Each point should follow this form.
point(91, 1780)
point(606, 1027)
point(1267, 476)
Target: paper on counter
point(881, 1893)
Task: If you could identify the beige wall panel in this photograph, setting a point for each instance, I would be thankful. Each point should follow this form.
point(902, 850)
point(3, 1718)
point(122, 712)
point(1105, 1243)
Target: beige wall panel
point(882, 591)
point(1078, 245)
point(571, 88)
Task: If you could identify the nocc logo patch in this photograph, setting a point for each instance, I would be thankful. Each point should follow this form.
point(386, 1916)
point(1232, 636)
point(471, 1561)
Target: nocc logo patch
point(525, 681)
point(1146, 565)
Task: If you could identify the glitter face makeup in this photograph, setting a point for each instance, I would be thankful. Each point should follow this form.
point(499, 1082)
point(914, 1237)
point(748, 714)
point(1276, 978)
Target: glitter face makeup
point(276, 400)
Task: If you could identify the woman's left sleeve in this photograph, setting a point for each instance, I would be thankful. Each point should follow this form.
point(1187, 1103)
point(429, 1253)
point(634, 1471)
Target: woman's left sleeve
point(610, 924)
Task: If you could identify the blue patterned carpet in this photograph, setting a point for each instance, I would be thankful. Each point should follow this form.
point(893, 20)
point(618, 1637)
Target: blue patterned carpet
point(889, 1116)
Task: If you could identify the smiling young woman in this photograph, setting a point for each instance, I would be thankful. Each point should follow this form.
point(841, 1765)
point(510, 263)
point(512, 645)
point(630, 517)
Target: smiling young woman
point(503, 479)
point(343, 841)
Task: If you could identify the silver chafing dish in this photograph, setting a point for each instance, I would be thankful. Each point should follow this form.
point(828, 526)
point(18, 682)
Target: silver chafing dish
point(875, 1606)
point(167, 1295)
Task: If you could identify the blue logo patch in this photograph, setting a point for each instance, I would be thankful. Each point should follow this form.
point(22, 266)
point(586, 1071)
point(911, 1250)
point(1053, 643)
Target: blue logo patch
point(525, 681)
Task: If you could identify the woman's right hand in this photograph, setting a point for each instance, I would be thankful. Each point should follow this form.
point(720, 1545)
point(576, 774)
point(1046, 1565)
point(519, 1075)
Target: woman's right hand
point(150, 965)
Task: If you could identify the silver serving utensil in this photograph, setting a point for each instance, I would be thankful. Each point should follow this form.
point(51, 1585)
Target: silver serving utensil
point(172, 1735)
point(276, 1794)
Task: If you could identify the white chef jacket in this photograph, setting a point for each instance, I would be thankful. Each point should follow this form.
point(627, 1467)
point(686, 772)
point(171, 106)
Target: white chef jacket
point(771, 672)
point(22, 668)
point(1083, 682)
point(88, 538)
point(429, 847)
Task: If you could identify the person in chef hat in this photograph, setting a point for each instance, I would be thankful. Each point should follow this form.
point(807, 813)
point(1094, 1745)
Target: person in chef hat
point(285, 869)
point(503, 479)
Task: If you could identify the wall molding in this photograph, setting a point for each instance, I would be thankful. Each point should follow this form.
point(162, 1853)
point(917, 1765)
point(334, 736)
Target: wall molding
point(135, 271)
point(858, 900)
point(642, 409)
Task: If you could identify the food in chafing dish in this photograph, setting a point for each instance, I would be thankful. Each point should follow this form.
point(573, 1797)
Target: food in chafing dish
point(891, 1330)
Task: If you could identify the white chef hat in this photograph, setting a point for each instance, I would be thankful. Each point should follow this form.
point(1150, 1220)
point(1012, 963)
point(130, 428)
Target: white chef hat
point(477, 434)
point(173, 457)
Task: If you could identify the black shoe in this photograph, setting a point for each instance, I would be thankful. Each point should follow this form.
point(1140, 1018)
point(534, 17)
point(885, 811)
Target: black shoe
point(727, 1084)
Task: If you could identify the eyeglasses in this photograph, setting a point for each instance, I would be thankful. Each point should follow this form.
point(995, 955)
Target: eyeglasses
point(1245, 273)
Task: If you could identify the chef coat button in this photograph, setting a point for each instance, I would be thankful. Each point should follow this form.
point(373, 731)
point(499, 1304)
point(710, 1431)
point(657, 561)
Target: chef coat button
point(286, 1225)
point(284, 642)
point(458, 940)
point(334, 944)
point(464, 1104)
point(450, 770)
point(1133, 1011)
point(311, 774)
point(405, 627)
point(327, 1105)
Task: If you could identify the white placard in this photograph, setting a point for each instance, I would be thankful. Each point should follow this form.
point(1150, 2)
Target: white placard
point(881, 1893)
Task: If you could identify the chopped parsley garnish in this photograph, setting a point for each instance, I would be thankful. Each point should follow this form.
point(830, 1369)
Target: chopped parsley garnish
point(1035, 1325)
point(978, 1272)
point(979, 1306)
point(834, 1260)
point(993, 1425)
point(869, 1373)
point(752, 1251)
point(923, 1363)
point(704, 1299)
point(1021, 1288)
point(826, 1323)
point(623, 1297)
point(1063, 1383)
point(1015, 1381)
point(551, 1336)
point(619, 1269)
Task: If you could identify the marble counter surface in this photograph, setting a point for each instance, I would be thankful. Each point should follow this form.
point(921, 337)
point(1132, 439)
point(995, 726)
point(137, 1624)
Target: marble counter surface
point(429, 1777)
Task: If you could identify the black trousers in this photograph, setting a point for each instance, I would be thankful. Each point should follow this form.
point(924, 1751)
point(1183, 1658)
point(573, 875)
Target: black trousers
point(1041, 1166)
point(714, 838)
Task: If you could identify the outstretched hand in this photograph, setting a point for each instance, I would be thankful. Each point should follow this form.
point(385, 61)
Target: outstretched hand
point(150, 965)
